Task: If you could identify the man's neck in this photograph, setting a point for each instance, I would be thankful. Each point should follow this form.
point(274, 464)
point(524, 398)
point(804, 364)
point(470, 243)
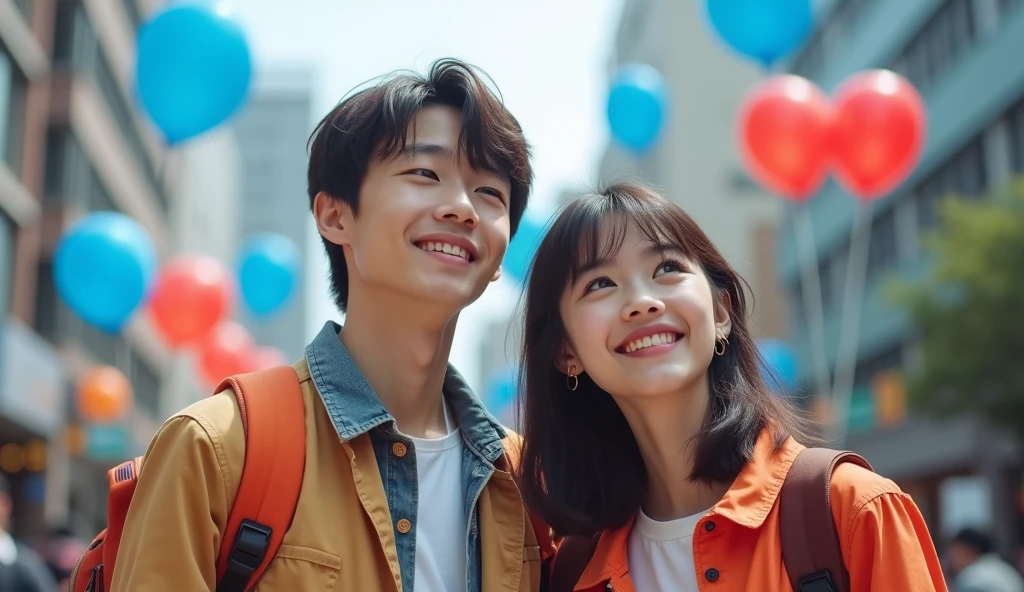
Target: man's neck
point(402, 350)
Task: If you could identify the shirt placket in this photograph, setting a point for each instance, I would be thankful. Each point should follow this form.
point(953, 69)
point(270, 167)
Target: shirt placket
point(396, 459)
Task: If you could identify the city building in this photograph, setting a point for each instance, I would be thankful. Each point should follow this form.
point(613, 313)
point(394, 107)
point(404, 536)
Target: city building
point(272, 132)
point(73, 143)
point(695, 163)
point(32, 378)
point(964, 56)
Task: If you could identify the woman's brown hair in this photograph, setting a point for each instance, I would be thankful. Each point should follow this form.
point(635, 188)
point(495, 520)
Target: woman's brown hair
point(580, 468)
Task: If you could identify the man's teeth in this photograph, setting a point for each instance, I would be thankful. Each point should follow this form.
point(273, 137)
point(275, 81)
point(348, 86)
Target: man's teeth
point(656, 339)
point(445, 248)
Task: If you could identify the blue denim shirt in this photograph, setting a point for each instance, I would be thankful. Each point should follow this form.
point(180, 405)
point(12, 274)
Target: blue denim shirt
point(355, 409)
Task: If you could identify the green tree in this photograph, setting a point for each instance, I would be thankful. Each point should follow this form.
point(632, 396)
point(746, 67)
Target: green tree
point(968, 311)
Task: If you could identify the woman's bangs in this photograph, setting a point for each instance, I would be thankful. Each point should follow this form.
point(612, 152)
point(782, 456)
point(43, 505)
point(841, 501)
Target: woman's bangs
point(601, 222)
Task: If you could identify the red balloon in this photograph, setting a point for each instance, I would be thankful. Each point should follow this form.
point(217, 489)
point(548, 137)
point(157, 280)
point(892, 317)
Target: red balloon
point(192, 294)
point(226, 351)
point(269, 357)
point(784, 130)
point(879, 132)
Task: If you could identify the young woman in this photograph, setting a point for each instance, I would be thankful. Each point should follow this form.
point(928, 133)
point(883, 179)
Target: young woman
point(646, 420)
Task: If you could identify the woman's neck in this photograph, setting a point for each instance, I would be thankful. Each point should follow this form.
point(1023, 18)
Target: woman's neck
point(666, 430)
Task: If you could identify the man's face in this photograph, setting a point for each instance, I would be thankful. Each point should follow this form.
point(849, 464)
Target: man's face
point(961, 556)
point(429, 226)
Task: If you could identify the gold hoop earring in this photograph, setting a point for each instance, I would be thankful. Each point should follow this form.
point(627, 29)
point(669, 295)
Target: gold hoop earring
point(723, 342)
point(572, 381)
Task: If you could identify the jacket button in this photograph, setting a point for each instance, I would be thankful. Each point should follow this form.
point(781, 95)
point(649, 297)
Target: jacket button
point(399, 449)
point(404, 526)
point(711, 575)
point(709, 525)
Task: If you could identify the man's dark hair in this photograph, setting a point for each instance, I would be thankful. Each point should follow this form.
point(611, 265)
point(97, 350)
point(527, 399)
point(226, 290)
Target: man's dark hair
point(5, 484)
point(373, 123)
point(975, 539)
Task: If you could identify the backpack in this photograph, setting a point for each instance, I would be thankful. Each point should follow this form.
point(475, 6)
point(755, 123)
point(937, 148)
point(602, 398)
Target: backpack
point(810, 541)
point(273, 418)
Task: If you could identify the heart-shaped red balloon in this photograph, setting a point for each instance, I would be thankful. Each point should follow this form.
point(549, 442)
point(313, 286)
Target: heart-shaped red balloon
point(226, 351)
point(784, 129)
point(879, 132)
point(192, 294)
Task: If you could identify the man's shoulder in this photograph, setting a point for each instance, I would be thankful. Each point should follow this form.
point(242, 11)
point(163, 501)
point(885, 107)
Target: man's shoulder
point(220, 413)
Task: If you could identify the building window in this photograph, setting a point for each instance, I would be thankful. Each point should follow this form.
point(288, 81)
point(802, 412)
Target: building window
point(70, 177)
point(47, 303)
point(868, 369)
point(1015, 121)
point(7, 231)
point(13, 87)
point(146, 384)
point(939, 44)
point(883, 255)
point(76, 46)
point(963, 175)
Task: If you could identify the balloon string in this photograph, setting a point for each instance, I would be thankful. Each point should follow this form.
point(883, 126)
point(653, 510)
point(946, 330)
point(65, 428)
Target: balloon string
point(811, 289)
point(849, 335)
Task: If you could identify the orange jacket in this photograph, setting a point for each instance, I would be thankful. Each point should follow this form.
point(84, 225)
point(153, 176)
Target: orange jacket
point(884, 540)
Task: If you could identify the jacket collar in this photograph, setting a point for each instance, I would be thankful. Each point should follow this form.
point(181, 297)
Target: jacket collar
point(747, 503)
point(354, 408)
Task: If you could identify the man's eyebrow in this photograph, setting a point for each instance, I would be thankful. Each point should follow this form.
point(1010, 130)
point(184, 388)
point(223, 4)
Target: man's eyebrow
point(413, 150)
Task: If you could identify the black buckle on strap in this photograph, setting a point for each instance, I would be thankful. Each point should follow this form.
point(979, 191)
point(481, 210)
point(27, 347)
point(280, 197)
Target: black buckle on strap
point(249, 549)
point(819, 581)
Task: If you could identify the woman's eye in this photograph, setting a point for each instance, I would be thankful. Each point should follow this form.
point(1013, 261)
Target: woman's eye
point(669, 267)
point(598, 284)
point(425, 173)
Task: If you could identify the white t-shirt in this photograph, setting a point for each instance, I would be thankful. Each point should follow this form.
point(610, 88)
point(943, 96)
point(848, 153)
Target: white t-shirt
point(661, 554)
point(441, 513)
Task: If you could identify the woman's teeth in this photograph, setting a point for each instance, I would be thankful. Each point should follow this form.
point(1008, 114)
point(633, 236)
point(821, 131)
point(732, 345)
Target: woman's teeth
point(650, 340)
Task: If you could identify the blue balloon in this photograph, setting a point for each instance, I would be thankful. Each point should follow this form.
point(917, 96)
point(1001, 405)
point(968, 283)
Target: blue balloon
point(780, 369)
point(501, 392)
point(104, 268)
point(637, 106)
point(521, 250)
point(193, 69)
point(267, 273)
point(764, 30)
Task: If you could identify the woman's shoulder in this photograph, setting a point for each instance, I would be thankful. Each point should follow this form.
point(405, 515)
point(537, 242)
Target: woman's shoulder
point(858, 494)
point(851, 482)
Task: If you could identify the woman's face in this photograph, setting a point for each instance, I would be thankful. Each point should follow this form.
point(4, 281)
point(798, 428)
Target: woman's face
point(643, 323)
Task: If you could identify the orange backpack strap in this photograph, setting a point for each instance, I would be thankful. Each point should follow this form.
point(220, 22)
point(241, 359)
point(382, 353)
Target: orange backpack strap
point(273, 417)
point(810, 541)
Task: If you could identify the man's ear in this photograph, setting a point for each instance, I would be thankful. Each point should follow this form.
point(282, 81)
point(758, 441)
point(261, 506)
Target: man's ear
point(334, 219)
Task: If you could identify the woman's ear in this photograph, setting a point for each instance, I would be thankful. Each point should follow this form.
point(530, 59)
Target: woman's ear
point(568, 363)
point(723, 316)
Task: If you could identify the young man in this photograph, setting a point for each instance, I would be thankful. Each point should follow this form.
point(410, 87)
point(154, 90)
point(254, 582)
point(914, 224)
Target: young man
point(416, 185)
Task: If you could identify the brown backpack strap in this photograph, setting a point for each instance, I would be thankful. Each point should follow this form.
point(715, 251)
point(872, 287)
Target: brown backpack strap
point(571, 561)
point(810, 541)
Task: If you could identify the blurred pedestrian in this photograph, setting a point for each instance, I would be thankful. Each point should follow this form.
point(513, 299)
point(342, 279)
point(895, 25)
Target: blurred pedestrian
point(977, 567)
point(21, 569)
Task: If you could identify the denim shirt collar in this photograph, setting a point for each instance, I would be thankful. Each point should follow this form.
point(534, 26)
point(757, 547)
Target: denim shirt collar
point(354, 408)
